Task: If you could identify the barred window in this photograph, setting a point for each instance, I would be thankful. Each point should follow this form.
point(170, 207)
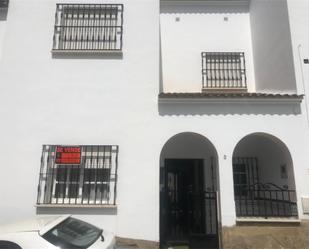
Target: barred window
point(88, 27)
point(224, 70)
point(83, 175)
point(4, 3)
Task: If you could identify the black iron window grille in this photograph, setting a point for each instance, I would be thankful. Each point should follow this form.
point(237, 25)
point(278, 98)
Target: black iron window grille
point(245, 173)
point(79, 175)
point(4, 4)
point(256, 199)
point(88, 27)
point(223, 70)
point(266, 200)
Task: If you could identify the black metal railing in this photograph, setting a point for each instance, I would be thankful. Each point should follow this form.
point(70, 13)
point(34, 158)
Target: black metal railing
point(190, 213)
point(202, 207)
point(78, 175)
point(266, 200)
point(88, 27)
point(4, 3)
point(224, 70)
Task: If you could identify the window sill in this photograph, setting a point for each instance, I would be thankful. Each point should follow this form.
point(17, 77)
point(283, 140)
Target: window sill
point(288, 220)
point(87, 54)
point(85, 51)
point(75, 206)
point(224, 90)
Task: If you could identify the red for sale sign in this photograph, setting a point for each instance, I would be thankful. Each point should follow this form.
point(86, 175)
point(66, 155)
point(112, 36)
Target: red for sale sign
point(68, 155)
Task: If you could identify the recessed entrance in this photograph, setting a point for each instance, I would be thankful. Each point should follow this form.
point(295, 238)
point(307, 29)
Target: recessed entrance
point(264, 183)
point(188, 194)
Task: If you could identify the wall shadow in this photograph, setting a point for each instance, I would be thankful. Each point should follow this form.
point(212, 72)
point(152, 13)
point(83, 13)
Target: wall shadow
point(218, 7)
point(75, 211)
point(199, 109)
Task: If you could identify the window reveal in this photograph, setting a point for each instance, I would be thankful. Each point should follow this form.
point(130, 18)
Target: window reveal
point(91, 182)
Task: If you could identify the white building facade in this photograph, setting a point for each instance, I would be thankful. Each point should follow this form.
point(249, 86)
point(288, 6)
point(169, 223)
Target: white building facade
point(159, 121)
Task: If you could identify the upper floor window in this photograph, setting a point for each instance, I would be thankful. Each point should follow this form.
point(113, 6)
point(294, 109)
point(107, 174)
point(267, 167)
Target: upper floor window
point(82, 175)
point(4, 3)
point(224, 71)
point(4, 6)
point(88, 27)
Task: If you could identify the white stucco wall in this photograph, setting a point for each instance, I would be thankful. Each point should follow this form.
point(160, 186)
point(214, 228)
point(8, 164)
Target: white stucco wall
point(226, 124)
point(299, 21)
point(79, 100)
point(187, 29)
point(272, 50)
point(226, 130)
point(112, 100)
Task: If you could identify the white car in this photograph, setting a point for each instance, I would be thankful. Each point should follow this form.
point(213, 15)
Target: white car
point(52, 232)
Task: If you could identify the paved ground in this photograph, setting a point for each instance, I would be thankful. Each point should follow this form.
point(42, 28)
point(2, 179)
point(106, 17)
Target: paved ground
point(124, 243)
point(255, 236)
point(126, 247)
point(267, 236)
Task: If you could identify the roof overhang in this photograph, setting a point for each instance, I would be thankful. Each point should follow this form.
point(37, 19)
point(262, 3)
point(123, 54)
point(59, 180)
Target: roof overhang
point(229, 98)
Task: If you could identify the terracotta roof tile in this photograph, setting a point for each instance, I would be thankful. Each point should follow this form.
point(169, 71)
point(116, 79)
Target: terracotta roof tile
point(201, 95)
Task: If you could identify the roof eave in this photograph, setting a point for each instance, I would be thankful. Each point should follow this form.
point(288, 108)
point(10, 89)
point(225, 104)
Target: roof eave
point(173, 98)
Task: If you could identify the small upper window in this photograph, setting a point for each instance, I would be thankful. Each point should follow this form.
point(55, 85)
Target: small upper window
point(224, 71)
point(88, 27)
point(4, 4)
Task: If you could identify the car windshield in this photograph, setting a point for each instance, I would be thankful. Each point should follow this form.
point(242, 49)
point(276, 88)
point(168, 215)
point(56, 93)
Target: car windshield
point(73, 233)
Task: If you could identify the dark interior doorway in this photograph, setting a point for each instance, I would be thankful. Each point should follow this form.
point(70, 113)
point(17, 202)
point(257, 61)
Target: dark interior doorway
point(188, 213)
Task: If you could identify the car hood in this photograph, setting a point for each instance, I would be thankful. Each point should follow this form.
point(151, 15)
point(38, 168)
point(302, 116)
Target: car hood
point(41, 224)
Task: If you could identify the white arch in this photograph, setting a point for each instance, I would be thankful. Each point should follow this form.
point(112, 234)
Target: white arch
point(191, 145)
point(272, 154)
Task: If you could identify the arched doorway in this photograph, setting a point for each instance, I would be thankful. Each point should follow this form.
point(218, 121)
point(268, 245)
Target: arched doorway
point(263, 174)
point(188, 192)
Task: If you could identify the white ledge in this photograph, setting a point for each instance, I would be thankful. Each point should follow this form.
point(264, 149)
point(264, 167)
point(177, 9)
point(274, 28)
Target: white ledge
point(74, 206)
point(267, 220)
point(85, 51)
